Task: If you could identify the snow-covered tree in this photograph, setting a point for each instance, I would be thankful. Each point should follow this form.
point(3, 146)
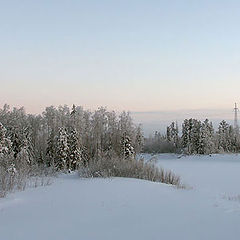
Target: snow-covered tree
point(223, 138)
point(139, 140)
point(191, 131)
point(127, 148)
point(27, 152)
point(62, 149)
point(172, 134)
point(51, 150)
point(74, 151)
point(207, 140)
point(16, 143)
point(5, 142)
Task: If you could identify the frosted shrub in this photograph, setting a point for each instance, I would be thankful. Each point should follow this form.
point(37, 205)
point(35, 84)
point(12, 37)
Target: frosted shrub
point(19, 175)
point(8, 175)
point(117, 167)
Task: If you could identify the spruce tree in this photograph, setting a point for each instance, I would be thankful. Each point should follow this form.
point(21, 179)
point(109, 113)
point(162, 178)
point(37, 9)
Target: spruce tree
point(16, 143)
point(51, 149)
point(127, 148)
point(139, 141)
point(207, 143)
point(172, 134)
point(74, 152)
point(223, 136)
point(62, 149)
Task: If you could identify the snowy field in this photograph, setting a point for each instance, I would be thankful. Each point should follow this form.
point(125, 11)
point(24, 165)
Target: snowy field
point(117, 209)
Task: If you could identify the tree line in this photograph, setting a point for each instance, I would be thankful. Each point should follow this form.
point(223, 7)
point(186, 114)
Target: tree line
point(66, 138)
point(196, 137)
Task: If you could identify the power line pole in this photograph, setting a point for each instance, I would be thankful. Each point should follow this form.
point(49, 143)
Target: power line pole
point(236, 127)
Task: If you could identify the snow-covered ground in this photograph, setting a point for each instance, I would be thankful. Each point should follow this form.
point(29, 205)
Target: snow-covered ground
point(103, 209)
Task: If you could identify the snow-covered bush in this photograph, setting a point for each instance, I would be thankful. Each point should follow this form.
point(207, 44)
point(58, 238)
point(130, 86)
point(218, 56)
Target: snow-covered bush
point(17, 175)
point(10, 177)
point(120, 167)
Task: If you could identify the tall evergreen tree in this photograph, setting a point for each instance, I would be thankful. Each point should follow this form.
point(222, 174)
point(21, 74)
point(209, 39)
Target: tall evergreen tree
point(191, 131)
point(139, 141)
point(27, 151)
point(207, 141)
point(172, 134)
point(62, 149)
point(127, 148)
point(51, 150)
point(16, 143)
point(74, 151)
point(223, 136)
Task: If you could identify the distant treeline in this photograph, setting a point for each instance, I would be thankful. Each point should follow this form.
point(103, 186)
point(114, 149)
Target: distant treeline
point(196, 137)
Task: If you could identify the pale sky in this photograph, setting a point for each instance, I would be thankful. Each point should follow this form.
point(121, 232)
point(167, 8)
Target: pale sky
point(124, 54)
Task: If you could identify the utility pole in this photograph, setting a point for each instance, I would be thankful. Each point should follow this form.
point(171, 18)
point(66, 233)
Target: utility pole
point(236, 127)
